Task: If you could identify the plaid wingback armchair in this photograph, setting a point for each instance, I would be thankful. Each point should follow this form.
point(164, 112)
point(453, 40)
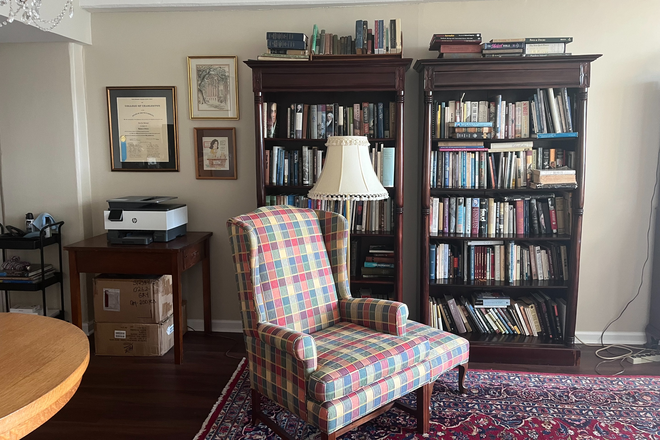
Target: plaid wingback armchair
point(331, 359)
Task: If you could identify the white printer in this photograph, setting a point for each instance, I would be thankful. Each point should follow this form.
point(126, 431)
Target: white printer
point(143, 219)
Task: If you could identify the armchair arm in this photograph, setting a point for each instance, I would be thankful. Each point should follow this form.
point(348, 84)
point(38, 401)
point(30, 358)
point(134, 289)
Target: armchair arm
point(298, 344)
point(377, 314)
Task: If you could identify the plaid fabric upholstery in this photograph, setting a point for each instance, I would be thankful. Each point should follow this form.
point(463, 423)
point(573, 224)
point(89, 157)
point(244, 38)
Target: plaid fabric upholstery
point(335, 234)
point(278, 375)
point(377, 314)
point(300, 345)
point(291, 277)
point(351, 356)
point(447, 349)
point(335, 414)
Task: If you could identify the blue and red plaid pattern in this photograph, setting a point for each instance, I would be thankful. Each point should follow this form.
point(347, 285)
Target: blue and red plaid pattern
point(351, 356)
point(244, 251)
point(291, 267)
point(447, 349)
point(279, 376)
point(335, 234)
point(301, 345)
point(335, 414)
point(377, 314)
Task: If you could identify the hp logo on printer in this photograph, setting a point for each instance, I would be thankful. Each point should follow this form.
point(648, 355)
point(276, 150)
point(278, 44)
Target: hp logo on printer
point(134, 220)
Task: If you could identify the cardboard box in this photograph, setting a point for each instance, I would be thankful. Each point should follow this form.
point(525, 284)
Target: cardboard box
point(123, 339)
point(140, 299)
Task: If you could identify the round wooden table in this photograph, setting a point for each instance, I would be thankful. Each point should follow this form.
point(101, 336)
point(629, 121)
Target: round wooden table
point(42, 361)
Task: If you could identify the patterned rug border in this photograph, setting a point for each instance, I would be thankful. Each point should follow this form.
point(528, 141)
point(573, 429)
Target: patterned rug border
point(243, 365)
point(206, 426)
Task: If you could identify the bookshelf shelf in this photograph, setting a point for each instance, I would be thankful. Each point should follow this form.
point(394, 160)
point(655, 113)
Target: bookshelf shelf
point(493, 192)
point(507, 237)
point(345, 80)
point(515, 79)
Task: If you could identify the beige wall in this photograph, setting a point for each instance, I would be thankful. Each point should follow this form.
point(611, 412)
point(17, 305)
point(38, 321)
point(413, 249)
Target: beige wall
point(41, 146)
point(151, 48)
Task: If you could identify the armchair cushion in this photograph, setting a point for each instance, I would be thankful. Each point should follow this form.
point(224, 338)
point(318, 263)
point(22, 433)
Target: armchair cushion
point(351, 356)
point(298, 344)
point(447, 349)
point(377, 314)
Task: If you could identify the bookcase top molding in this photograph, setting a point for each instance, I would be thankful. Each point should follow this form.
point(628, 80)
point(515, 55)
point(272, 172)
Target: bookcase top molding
point(506, 73)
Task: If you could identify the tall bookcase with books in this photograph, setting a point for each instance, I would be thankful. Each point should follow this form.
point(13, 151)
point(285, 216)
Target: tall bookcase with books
point(296, 106)
point(502, 193)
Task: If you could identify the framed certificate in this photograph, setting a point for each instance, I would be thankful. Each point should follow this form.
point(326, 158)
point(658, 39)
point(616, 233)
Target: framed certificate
point(215, 153)
point(143, 128)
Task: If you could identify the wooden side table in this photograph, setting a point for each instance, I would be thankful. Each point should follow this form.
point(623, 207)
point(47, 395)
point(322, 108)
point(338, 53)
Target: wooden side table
point(96, 255)
point(42, 361)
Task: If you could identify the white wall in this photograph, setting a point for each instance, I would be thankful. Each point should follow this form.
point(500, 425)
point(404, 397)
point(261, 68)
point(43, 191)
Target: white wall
point(40, 144)
point(133, 49)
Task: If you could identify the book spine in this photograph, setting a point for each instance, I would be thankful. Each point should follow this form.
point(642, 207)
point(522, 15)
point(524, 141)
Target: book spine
point(388, 166)
point(553, 214)
point(286, 36)
point(313, 122)
point(286, 44)
point(381, 121)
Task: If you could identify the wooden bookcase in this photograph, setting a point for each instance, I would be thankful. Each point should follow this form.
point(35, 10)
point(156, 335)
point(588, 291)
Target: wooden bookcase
point(344, 80)
point(514, 79)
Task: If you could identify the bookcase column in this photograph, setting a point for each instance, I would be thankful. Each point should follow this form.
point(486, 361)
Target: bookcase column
point(425, 202)
point(259, 136)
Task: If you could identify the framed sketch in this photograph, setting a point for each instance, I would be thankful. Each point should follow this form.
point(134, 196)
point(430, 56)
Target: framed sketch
point(215, 150)
point(213, 87)
point(143, 128)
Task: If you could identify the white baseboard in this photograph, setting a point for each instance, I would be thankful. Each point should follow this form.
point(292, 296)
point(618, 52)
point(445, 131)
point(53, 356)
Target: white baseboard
point(217, 325)
point(626, 338)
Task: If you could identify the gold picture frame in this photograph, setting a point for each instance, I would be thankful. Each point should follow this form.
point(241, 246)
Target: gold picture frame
point(215, 153)
point(142, 122)
point(213, 87)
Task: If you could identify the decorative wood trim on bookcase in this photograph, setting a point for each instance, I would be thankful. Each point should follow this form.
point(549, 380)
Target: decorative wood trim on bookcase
point(343, 79)
point(486, 76)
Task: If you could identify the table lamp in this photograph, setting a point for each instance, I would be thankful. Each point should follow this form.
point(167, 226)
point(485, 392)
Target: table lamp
point(348, 175)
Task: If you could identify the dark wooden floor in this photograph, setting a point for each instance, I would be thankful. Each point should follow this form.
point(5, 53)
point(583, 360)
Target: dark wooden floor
point(151, 398)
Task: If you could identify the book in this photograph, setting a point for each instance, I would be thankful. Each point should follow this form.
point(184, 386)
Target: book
point(388, 166)
point(287, 52)
point(545, 48)
point(281, 57)
point(535, 185)
point(286, 36)
point(556, 135)
point(504, 45)
point(466, 38)
point(460, 48)
point(471, 124)
point(286, 44)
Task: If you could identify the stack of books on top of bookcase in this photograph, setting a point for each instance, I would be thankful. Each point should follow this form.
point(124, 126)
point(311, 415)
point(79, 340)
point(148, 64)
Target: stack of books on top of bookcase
point(319, 121)
point(548, 113)
point(385, 37)
point(527, 47)
point(456, 45)
point(285, 46)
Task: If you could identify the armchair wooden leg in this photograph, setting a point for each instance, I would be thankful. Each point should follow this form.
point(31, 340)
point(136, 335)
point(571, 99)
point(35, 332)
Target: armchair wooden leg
point(256, 406)
point(423, 408)
point(462, 371)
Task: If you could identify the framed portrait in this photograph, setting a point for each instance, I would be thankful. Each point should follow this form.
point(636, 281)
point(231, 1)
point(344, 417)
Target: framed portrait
point(215, 150)
point(143, 128)
point(213, 87)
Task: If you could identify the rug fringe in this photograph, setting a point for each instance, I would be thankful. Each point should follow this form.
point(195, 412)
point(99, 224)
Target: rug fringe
point(212, 415)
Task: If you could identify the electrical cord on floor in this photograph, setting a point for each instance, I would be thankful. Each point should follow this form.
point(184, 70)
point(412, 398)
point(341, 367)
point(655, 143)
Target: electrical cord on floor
point(631, 351)
point(230, 348)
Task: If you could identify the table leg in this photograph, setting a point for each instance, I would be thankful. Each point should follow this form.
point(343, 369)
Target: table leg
point(74, 284)
point(178, 311)
point(206, 287)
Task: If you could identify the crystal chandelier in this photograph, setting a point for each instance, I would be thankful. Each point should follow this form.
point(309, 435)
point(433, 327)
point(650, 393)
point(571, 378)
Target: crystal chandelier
point(29, 12)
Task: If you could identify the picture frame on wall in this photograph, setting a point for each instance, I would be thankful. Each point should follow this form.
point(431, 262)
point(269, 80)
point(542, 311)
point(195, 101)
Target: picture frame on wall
point(213, 87)
point(143, 128)
point(215, 153)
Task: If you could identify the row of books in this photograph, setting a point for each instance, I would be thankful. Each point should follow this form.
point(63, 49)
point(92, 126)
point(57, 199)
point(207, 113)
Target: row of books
point(507, 216)
point(374, 216)
point(385, 37)
point(536, 315)
point(502, 166)
point(302, 167)
point(33, 274)
point(547, 113)
point(469, 45)
point(319, 121)
point(365, 292)
point(496, 261)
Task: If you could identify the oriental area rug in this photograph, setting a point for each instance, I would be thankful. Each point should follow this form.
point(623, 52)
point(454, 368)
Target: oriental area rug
point(498, 405)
